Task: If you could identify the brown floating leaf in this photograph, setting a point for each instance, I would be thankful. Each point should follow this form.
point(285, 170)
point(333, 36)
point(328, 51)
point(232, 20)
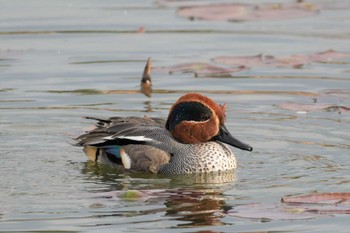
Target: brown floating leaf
point(200, 69)
point(318, 198)
point(245, 12)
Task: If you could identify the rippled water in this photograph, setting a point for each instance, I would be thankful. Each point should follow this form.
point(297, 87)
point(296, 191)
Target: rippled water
point(60, 60)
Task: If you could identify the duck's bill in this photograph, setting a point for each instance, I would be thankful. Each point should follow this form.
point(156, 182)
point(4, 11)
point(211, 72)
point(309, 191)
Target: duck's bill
point(225, 136)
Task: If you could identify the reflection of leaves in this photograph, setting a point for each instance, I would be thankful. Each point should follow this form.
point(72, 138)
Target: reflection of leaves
point(244, 12)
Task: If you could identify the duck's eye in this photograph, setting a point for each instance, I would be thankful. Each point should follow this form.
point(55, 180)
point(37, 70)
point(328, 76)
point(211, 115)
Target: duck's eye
point(204, 117)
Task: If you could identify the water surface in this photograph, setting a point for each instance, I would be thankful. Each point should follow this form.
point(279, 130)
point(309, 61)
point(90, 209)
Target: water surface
point(60, 60)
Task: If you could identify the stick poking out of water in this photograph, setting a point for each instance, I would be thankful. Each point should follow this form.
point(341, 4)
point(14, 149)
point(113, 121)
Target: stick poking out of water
point(146, 84)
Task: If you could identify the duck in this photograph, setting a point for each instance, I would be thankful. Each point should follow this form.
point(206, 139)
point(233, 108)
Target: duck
point(193, 139)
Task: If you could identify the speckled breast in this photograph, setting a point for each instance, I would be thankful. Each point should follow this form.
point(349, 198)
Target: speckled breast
point(201, 158)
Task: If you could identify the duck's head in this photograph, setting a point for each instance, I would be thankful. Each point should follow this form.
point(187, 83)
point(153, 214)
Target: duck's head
point(195, 118)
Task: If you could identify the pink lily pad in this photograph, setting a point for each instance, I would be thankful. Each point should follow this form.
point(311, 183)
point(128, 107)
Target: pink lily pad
point(199, 69)
point(318, 198)
point(246, 12)
point(303, 108)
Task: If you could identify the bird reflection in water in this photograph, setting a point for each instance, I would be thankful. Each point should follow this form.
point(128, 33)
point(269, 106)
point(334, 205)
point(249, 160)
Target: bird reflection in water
point(194, 200)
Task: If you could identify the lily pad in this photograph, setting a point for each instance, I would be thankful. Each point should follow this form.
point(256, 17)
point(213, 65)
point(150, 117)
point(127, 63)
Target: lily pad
point(246, 12)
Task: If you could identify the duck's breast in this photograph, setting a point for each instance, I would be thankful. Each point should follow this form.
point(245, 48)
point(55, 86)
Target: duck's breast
point(201, 158)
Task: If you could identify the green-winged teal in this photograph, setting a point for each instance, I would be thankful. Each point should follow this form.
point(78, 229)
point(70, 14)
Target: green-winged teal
point(193, 139)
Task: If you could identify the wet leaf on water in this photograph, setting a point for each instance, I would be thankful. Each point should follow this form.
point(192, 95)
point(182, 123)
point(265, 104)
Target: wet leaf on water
point(318, 198)
point(297, 107)
point(199, 69)
point(245, 12)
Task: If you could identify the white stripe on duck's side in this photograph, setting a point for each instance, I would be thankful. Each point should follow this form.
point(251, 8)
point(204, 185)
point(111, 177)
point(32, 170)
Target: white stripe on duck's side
point(125, 159)
point(134, 138)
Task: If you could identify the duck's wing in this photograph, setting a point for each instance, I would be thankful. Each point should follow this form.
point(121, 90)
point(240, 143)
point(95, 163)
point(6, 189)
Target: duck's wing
point(125, 130)
point(133, 142)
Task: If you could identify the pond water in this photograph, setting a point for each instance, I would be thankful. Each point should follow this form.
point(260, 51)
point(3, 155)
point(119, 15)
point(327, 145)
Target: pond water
point(60, 60)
